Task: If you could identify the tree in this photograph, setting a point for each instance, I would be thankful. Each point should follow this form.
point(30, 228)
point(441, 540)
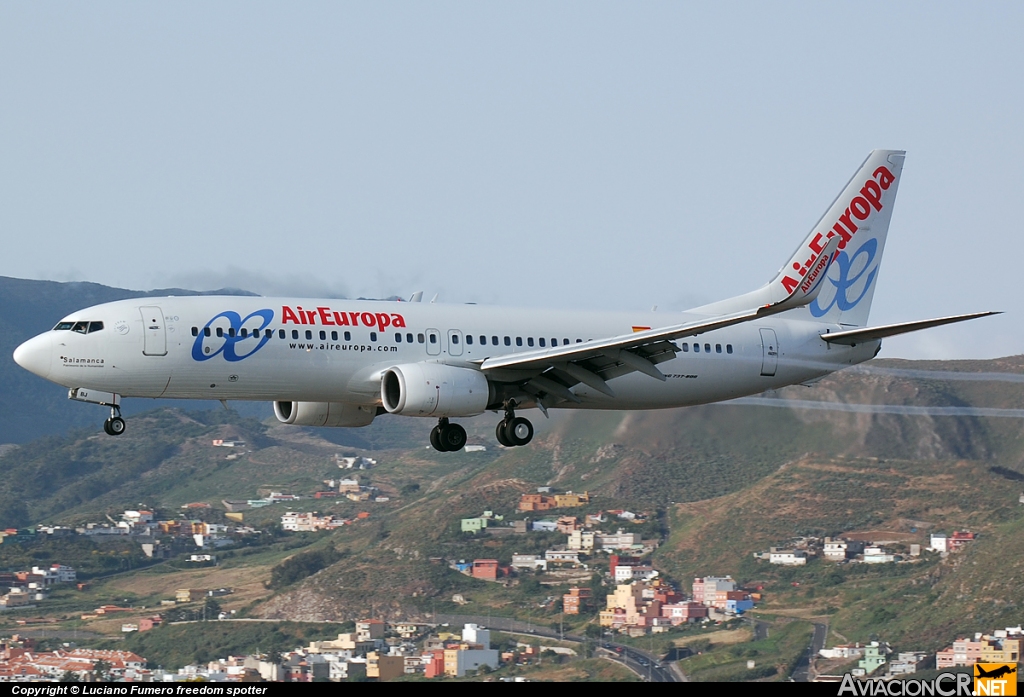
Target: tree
point(101, 670)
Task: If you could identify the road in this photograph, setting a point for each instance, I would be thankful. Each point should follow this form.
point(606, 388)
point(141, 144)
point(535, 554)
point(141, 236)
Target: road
point(802, 671)
point(645, 665)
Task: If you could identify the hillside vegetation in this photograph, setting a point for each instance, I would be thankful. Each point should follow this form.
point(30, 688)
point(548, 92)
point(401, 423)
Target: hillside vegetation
point(717, 482)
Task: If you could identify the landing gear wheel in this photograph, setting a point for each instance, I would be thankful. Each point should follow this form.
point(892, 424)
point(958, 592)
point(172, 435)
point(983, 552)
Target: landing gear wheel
point(519, 431)
point(453, 437)
point(114, 426)
point(499, 433)
point(435, 439)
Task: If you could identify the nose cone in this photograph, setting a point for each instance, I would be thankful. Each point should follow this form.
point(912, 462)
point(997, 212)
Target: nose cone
point(36, 354)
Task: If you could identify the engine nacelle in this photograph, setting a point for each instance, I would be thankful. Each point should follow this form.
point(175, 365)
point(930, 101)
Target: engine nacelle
point(433, 389)
point(324, 414)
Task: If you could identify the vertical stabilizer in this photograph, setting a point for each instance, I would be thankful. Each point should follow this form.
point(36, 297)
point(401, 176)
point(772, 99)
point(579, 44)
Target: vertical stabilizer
point(860, 218)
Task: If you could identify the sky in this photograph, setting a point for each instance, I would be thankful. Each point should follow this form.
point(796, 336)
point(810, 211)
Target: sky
point(577, 154)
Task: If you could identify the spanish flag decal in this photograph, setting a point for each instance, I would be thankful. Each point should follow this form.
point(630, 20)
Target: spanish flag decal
point(640, 329)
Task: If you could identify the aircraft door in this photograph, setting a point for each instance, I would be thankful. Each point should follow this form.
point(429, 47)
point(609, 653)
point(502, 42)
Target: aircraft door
point(153, 332)
point(454, 342)
point(770, 352)
point(433, 342)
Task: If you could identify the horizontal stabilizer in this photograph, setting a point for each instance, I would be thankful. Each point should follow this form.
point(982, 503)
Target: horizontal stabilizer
point(853, 337)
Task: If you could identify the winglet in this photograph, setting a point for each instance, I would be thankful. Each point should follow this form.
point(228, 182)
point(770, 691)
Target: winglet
point(800, 280)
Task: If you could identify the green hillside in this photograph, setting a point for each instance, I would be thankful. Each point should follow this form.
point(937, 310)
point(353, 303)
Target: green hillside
point(717, 483)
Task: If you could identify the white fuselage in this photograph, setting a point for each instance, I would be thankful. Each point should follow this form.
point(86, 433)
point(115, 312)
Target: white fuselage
point(336, 350)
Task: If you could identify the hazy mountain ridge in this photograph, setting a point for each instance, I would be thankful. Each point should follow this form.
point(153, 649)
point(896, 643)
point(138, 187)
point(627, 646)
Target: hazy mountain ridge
point(35, 407)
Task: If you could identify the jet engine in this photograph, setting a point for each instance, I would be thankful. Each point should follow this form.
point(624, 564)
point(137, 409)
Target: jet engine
point(434, 389)
point(324, 414)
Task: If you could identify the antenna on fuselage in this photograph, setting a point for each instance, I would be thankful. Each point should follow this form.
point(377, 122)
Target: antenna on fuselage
point(433, 299)
point(416, 297)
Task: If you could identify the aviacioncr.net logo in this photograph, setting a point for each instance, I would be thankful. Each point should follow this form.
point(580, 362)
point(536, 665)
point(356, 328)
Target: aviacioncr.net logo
point(227, 336)
point(855, 274)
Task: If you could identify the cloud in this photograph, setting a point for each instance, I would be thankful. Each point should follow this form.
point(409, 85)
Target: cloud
point(290, 285)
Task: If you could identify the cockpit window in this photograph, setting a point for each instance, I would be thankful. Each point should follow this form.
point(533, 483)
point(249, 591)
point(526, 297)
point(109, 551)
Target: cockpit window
point(80, 327)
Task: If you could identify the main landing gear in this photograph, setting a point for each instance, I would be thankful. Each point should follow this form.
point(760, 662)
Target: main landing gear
point(114, 426)
point(513, 430)
point(447, 437)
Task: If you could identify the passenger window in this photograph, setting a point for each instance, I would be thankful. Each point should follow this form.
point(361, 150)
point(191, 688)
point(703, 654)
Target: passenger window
point(419, 338)
point(541, 341)
point(398, 337)
point(97, 326)
point(718, 348)
point(231, 331)
point(280, 334)
point(348, 336)
point(469, 339)
point(696, 348)
point(220, 331)
point(686, 347)
point(707, 348)
point(519, 341)
point(323, 335)
point(508, 341)
point(373, 336)
point(565, 342)
point(433, 338)
point(295, 333)
point(244, 333)
point(494, 340)
point(529, 341)
point(309, 335)
point(483, 340)
point(554, 342)
point(334, 336)
point(408, 338)
point(455, 338)
point(195, 331)
point(579, 341)
point(728, 348)
point(206, 331)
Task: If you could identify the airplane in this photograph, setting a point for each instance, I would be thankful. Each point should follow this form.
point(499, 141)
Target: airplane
point(342, 363)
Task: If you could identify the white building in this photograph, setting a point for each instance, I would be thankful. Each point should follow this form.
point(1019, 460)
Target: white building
point(618, 540)
point(57, 573)
point(475, 634)
point(877, 555)
point(529, 561)
point(787, 557)
point(843, 651)
point(939, 542)
point(908, 662)
point(625, 573)
point(560, 556)
point(581, 539)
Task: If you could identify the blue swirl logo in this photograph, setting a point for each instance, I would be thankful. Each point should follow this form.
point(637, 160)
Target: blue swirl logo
point(235, 346)
point(845, 263)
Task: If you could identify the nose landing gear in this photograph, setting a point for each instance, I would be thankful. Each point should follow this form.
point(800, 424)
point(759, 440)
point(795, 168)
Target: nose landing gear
point(513, 430)
point(114, 426)
point(447, 437)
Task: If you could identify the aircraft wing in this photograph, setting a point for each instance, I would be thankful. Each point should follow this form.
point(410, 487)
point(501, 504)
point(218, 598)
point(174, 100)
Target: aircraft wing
point(852, 337)
point(593, 363)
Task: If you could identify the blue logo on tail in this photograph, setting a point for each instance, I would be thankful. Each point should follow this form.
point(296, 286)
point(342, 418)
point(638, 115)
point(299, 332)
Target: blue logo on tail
point(844, 263)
